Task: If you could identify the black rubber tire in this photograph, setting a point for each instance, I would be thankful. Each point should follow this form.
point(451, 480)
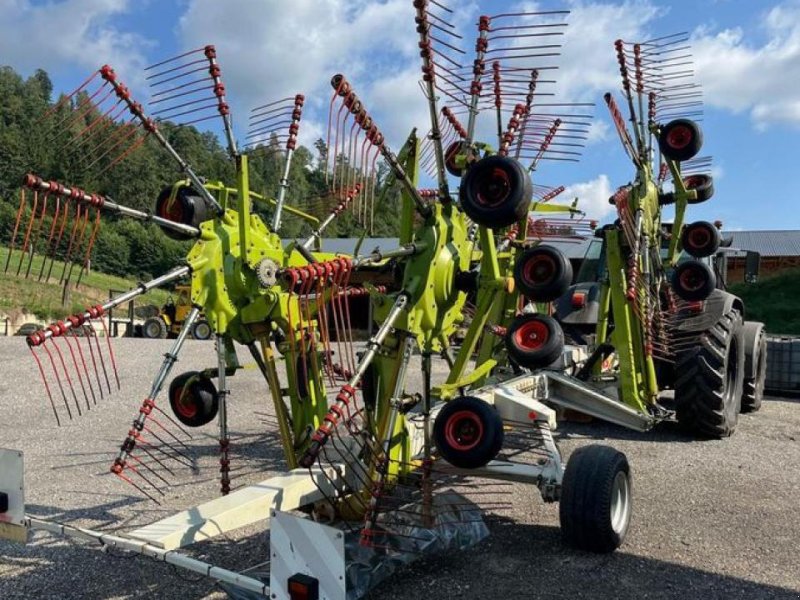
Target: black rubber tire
point(201, 330)
point(542, 273)
point(496, 192)
point(693, 281)
point(701, 239)
point(468, 432)
point(588, 496)
point(189, 208)
point(449, 159)
point(198, 405)
point(680, 139)
point(710, 379)
point(154, 328)
point(702, 184)
point(534, 341)
point(755, 366)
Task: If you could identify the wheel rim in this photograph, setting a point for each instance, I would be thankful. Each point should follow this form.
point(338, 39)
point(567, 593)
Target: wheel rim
point(539, 270)
point(463, 430)
point(692, 183)
point(202, 331)
point(494, 189)
point(679, 137)
point(153, 329)
point(183, 403)
point(531, 335)
point(172, 210)
point(691, 280)
point(699, 238)
point(450, 157)
point(620, 503)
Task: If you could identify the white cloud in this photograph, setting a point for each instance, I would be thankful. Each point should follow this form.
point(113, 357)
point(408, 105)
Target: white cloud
point(761, 80)
point(54, 35)
point(592, 196)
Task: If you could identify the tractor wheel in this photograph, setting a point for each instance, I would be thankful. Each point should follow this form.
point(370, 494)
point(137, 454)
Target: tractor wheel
point(193, 399)
point(596, 499)
point(155, 328)
point(534, 341)
point(201, 330)
point(468, 432)
point(693, 281)
point(710, 378)
point(496, 192)
point(680, 139)
point(542, 273)
point(755, 365)
point(701, 239)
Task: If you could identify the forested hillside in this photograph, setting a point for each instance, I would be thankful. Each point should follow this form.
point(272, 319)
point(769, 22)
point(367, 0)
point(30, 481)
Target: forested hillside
point(125, 247)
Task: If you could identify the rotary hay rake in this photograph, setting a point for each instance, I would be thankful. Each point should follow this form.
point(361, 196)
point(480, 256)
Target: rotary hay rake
point(381, 460)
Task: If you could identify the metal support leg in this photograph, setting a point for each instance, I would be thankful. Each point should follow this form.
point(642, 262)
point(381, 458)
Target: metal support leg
point(222, 416)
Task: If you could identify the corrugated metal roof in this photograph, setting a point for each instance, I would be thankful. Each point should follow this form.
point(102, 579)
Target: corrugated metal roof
point(784, 242)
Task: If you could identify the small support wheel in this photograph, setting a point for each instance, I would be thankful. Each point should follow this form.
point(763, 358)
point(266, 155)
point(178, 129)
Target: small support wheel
point(702, 184)
point(155, 328)
point(534, 341)
point(453, 150)
point(693, 281)
point(680, 139)
point(755, 365)
point(194, 399)
point(496, 192)
point(542, 273)
point(701, 239)
point(186, 207)
point(201, 330)
point(468, 432)
point(596, 499)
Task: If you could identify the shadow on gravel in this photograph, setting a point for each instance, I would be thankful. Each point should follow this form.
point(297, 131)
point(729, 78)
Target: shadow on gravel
point(531, 561)
point(667, 432)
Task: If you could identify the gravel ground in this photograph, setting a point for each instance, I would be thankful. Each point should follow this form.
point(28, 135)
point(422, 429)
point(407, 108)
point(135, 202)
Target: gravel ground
point(712, 519)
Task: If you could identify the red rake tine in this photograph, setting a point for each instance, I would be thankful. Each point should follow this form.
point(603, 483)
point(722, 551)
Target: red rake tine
point(90, 333)
point(28, 231)
point(46, 385)
point(58, 380)
point(110, 352)
point(76, 338)
point(22, 203)
point(49, 248)
point(66, 374)
point(77, 371)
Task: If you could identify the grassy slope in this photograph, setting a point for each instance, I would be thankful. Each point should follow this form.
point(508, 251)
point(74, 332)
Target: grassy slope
point(774, 301)
point(44, 299)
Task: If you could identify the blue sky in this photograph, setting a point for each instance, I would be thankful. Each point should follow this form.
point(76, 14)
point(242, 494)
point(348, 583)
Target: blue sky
point(747, 57)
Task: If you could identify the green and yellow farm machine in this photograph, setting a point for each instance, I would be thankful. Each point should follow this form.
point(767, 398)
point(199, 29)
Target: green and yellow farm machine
point(372, 458)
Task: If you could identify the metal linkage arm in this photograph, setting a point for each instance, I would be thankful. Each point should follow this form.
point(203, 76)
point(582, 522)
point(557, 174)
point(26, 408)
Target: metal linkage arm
point(136, 109)
point(347, 393)
point(60, 328)
point(36, 183)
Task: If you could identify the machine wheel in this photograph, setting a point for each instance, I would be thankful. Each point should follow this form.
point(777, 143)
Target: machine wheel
point(468, 432)
point(596, 499)
point(187, 208)
point(542, 273)
point(201, 330)
point(693, 281)
point(700, 239)
point(710, 378)
point(534, 341)
point(193, 399)
point(680, 139)
point(450, 156)
point(755, 365)
point(496, 192)
point(154, 328)
point(702, 184)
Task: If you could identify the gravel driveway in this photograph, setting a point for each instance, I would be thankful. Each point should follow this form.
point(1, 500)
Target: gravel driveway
point(712, 519)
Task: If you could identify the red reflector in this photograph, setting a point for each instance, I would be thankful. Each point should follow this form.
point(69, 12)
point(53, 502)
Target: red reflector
point(578, 300)
point(303, 587)
point(696, 307)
